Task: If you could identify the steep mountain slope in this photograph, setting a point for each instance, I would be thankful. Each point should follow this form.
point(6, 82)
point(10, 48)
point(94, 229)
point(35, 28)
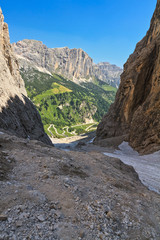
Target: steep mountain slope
point(74, 64)
point(17, 113)
point(64, 103)
point(51, 195)
point(136, 110)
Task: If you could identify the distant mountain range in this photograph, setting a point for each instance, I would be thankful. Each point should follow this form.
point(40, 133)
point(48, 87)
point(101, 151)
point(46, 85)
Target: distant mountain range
point(65, 85)
point(73, 64)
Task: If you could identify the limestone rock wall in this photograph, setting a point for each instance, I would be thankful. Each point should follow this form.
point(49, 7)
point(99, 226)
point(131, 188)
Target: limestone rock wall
point(74, 64)
point(17, 113)
point(11, 83)
point(136, 110)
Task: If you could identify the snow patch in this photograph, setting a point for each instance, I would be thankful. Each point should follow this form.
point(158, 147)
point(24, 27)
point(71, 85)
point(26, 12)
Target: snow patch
point(147, 166)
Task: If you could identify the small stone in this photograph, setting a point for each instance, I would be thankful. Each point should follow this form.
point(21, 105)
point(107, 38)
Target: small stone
point(45, 176)
point(9, 220)
point(18, 223)
point(101, 236)
point(109, 214)
point(106, 209)
point(53, 206)
point(81, 234)
point(23, 215)
point(3, 217)
point(99, 228)
point(41, 218)
point(118, 233)
point(39, 226)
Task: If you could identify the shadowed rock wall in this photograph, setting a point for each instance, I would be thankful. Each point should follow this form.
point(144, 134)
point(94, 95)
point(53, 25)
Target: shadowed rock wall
point(17, 114)
point(136, 110)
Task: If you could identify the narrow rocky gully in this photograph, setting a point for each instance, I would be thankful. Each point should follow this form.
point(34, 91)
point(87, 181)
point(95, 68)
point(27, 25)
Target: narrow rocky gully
point(77, 190)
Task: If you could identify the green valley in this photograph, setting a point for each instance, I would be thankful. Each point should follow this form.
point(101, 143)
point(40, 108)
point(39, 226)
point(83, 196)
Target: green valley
point(67, 108)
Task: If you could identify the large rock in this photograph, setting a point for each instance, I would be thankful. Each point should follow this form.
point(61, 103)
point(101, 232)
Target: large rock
point(17, 113)
point(74, 64)
point(136, 110)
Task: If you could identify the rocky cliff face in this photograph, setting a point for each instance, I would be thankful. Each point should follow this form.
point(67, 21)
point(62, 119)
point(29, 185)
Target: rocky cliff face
point(108, 73)
point(17, 113)
point(74, 64)
point(136, 110)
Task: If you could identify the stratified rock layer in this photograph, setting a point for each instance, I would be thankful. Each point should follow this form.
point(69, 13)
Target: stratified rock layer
point(17, 113)
point(74, 64)
point(136, 110)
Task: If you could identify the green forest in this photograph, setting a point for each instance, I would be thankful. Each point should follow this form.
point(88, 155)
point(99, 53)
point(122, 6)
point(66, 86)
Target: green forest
point(62, 102)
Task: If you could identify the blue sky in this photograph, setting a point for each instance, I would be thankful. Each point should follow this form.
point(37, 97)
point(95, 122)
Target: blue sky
point(107, 30)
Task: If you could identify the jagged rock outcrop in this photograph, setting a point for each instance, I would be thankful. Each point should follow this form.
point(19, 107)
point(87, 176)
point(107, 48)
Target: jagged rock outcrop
point(108, 73)
point(136, 110)
point(74, 64)
point(17, 113)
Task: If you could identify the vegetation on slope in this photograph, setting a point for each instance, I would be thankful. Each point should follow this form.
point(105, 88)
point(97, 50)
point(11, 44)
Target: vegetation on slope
point(64, 103)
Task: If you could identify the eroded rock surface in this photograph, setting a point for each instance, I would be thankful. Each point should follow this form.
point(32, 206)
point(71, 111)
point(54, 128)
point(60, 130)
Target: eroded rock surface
point(51, 194)
point(136, 110)
point(17, 113)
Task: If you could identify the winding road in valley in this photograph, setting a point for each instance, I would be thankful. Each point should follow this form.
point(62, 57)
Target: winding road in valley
point(67, 129)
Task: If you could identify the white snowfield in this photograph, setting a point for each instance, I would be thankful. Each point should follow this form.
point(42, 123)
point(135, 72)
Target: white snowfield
point(147, 166)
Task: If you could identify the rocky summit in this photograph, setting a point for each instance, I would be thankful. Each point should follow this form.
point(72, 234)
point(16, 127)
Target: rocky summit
point(74, 64)
point(136, 110)
point(17, 113)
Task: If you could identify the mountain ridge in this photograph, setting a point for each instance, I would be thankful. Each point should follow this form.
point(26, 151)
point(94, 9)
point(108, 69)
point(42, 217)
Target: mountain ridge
point(74, 64)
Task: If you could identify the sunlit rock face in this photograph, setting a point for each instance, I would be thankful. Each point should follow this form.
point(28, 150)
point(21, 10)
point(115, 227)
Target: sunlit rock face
point(11, 83)
point(17, 114)
point(136, 110)
point(74, 64)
